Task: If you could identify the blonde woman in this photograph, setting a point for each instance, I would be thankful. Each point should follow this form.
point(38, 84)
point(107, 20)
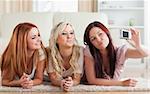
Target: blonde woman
point(23, 61)
point(65, 57)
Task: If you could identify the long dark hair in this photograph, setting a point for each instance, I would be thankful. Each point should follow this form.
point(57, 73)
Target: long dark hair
point(99, 67)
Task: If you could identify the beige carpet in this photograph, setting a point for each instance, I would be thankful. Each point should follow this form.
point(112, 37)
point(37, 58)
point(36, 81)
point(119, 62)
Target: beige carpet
point(142, 85)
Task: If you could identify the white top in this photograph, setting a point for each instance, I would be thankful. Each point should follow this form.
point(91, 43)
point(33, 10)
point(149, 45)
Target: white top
point(42, 56)
point(120, 59)
point(70, 71)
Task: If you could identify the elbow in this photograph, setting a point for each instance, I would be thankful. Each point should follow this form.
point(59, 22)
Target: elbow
point(146, 54)
point(145, 51)
point(5, 83)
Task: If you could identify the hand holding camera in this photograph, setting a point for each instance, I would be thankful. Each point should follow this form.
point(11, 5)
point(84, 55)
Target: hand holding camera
point(132, 36)
point(125, 34)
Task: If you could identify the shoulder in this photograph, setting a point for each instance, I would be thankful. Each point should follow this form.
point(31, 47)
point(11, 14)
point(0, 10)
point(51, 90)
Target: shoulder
point(41, 51)
point(79, 49)
point(87, 52)
point(121, 49)
point(120, 53)
point(42, 54)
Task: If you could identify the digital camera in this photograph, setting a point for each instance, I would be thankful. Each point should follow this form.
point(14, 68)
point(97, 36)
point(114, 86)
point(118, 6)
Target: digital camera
point(125, 34)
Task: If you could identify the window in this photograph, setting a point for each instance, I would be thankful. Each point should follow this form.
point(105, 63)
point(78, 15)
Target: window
point(55, 5)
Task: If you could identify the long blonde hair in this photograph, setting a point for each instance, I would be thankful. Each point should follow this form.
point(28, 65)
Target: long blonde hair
point(54, 51)
point(15, 55)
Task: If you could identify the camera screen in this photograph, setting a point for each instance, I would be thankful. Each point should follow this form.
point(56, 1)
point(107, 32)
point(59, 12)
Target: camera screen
point(125, 34)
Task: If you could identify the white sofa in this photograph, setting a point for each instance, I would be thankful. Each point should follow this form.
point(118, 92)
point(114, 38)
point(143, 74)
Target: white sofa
point(45, 21)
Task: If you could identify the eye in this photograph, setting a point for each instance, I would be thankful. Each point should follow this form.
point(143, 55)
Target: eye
point(38, 35)
point(99, 34)
point(71, 33)
point(92, 39)
point(64, 33)
point(33, 37)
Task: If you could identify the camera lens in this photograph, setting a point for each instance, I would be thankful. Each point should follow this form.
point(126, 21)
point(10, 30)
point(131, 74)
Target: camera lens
point(125, 34)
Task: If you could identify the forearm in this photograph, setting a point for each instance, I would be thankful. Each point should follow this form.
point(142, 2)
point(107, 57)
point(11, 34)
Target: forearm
point(11, 83)
point(56, 82)
point(76, 78)
point(105, 82)
point(143, 51)
point(37, 81)
point(75, 82)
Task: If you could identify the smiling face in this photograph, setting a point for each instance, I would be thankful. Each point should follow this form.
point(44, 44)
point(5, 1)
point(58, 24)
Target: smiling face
point(34, 39)
point(66, 38)
point(98, 38)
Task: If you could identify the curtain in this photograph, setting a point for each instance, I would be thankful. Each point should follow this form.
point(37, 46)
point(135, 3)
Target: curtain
point(87, 5)
point(14, 6)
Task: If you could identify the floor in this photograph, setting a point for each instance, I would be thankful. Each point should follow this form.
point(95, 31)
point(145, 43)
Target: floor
point(74, 92)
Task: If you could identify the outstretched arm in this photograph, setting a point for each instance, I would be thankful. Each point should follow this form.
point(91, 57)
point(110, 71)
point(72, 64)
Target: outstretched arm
point(139, 51)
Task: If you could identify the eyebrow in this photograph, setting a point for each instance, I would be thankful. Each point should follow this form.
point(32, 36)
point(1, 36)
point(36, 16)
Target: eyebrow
point(68, 31)
point(33, 35)
point(91, 37)
point(96, 33)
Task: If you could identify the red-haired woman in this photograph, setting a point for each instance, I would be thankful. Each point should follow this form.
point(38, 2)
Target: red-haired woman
point(23, 61)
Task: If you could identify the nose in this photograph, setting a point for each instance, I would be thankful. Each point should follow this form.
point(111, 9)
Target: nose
point(98, 38)
point(39, 39)
point(69, 35)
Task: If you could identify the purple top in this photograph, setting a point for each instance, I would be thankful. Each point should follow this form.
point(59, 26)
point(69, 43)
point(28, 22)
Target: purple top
point(120, 59)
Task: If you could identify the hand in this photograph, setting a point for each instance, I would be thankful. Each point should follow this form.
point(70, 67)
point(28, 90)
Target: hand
point(62, 84)
point(23, 79)
point(135, 40)
point(129, 82)
point(26, 82)
point(67, 84)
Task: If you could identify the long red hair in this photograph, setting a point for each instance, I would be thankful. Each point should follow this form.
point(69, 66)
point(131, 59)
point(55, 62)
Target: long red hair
point(15, 55)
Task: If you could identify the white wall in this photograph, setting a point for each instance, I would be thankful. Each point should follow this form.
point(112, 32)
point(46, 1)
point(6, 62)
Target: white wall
point(45, 22)
point(9, 21)
point(80, 21)
point(147, 33)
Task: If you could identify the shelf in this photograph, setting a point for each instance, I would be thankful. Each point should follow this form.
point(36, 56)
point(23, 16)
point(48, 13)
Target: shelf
point(119, 27)
point(123, 8)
